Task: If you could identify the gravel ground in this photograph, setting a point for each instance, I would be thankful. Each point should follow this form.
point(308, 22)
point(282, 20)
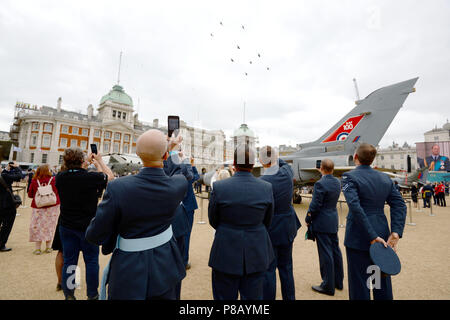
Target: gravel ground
point(424, 253)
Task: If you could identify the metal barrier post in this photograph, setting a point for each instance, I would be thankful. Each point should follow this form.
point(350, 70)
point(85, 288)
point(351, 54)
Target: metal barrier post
point(411, 223)
point(431, 208)
point(201, 210)
point(23, 199)
point(340, 220)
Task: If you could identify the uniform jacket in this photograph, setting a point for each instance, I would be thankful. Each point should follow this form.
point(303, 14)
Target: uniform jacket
point(6, 201)
point(442, 163)
point(173, 166)
point(241, 210)
point(135, 207)
point(189, 201)
point(285, 223)
point(324, 215)
point(366, 191)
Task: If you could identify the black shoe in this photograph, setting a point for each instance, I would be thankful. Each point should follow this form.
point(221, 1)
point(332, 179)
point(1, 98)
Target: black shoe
point(188, 266)
point(58, 287)
point(93, 298)
point(340, 288)
point(319, 289)
point(5, 249)
point(71, 298)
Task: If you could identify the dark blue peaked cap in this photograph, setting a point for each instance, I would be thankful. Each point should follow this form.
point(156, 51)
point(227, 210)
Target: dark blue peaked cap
point(385, 258)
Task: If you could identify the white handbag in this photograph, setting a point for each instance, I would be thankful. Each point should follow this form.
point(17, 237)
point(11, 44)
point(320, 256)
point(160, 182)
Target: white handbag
point(45, 196)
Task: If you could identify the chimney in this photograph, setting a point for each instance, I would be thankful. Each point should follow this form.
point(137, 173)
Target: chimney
point(58, 106)
point(90, 111)
point(155, 123)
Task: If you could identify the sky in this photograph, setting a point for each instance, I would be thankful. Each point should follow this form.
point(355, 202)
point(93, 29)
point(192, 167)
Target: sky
point(176, 60)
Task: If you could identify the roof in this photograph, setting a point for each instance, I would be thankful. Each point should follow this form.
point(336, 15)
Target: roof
point(244, 130)
point(118, 95)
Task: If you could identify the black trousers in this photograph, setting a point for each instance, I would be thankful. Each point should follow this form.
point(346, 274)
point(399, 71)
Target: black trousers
point(181, 243)
point(441, 200)
point(330, 259)
point(358, 262)
point(7, 218)
point(227, 286)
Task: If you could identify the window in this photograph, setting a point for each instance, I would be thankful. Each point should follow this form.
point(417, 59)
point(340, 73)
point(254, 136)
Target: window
point(48, 127)
point(44, 158)
point(133, 149)
point(124, 116)
point(107, 135)
point(85, 132)
point(436, 138)
point(118, 114)
point(116, 147)
point(382, 157)
point(83, 144)
point(73, 143)
point(392, 157)
point(61, 157)
point(382, 166)
point(74, 130)
point(117, 136)
point(125, 148)
point(114, 113)
point(63, 143)
point(46, 140)
point(35, 125)
point(392, 166)
point(34, 139)
point(97, 133)
point(402, 156)
point(31, 157)
point(134, 138)
point(105, 146)
point(64, 129)
point(126, 138)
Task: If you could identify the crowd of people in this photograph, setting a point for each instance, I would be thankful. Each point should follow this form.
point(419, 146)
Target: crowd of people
point(437, 191)
point(145, 220)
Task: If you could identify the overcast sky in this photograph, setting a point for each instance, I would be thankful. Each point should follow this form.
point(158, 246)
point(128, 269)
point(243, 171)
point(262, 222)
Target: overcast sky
point(172, 65)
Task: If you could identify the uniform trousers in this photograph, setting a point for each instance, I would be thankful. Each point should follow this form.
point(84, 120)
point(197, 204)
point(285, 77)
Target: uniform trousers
point(282, 261)
point(357, 262)
point(181, 246)
point(227, 286)
point(330, 260)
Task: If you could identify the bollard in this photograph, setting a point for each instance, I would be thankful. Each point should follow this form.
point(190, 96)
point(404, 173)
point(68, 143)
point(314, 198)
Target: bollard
point(411, 223)
point(201, 211)
point(340, 224)
point(431, 209)
point(23, 206)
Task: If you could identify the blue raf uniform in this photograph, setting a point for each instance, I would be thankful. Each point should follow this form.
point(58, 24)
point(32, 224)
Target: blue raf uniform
point(366, 191)
point(190, 204)
point(282, 231)
point(135, 216)
point(324, 221)
point(173, 165)
point(241, 210)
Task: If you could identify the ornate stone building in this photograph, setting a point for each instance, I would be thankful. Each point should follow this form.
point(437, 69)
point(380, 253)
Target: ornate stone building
point(42, 133)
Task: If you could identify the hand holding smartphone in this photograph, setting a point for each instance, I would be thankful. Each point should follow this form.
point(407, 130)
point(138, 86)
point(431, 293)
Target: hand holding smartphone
point(173, 125)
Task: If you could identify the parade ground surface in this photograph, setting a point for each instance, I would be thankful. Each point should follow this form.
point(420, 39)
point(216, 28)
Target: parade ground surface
point(424, 253)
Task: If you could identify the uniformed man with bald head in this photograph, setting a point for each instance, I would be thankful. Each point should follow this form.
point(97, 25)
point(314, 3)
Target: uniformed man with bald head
point(134, 221)
point(323, 216)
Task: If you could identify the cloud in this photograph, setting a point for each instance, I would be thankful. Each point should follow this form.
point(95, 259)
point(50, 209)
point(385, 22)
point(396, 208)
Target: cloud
point(172, 65)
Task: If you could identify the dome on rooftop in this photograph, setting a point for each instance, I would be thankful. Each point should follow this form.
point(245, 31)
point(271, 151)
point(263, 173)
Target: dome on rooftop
point(244, 130)
point(446, 126)
point(118, 95)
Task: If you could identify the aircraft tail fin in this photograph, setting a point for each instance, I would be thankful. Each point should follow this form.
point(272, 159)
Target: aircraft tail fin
point(369, 120)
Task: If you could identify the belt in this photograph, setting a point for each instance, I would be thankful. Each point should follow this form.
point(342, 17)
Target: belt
point(135, 245)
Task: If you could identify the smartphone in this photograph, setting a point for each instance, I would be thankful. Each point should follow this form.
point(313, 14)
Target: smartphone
point(173, 124)
point(318, 164)
point(94, 148)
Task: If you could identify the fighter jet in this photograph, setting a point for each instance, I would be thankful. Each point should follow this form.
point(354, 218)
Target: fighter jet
point(405, 181)
point(366, 122)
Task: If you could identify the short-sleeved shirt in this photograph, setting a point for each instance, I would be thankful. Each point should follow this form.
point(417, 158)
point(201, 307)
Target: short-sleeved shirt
point(79, 191)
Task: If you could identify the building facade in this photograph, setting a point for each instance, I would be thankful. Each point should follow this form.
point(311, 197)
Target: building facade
point(395, 157)
point(43, 133)
point(439, 136)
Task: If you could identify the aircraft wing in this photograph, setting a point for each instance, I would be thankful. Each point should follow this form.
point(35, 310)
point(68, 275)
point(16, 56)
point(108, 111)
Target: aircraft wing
point(338, 171)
